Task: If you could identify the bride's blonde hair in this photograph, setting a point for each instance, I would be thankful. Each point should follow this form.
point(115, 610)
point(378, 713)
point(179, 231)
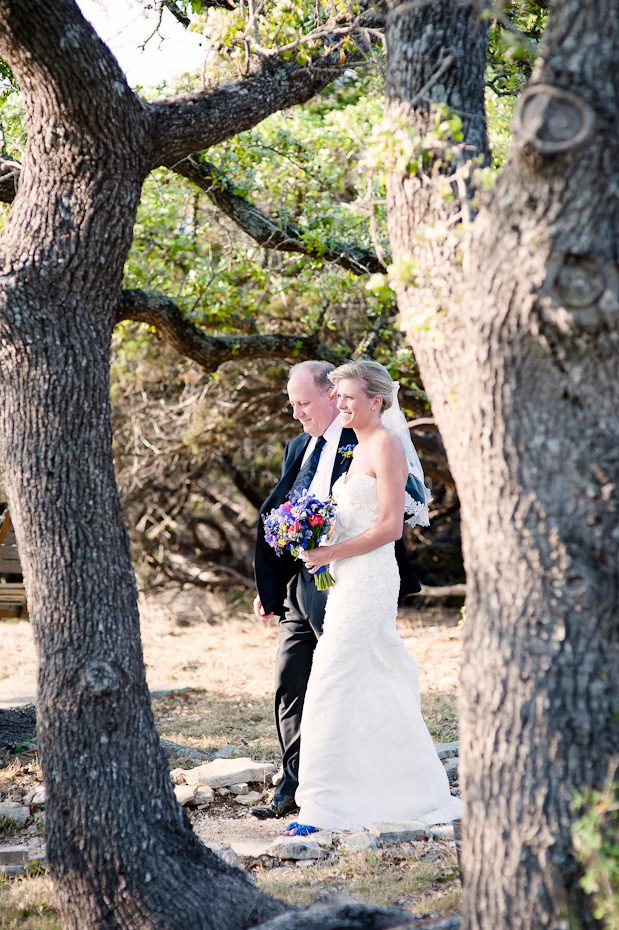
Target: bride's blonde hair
point(376, 380)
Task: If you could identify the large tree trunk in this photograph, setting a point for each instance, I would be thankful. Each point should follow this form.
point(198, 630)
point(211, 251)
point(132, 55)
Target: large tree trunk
point(518, 354)
point(120, 848)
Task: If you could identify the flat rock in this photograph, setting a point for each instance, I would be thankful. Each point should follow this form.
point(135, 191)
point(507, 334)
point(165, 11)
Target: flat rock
point(12, 871)
point(404, 831)
point(250, 848)
point(444, 831)
point(323, 837)
point(451, 767)
point(243, 788)
point(226, 752)
point(221, 773)
point(227, 854)
point(296, 847)
point(40, 798)
point(203, 796)
point(358, 841)
point(13, 855)
point(13, 810)
point(248, 799)
point(448, 750)
point(184, 793)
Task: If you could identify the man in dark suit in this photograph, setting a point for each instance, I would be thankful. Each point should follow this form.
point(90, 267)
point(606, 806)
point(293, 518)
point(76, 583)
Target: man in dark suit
point(286, 589)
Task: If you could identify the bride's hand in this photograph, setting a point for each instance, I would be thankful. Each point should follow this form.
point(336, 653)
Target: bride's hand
point(316, 558)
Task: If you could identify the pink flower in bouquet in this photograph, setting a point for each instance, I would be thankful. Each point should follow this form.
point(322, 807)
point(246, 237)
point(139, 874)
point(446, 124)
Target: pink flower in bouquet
point(315, 520)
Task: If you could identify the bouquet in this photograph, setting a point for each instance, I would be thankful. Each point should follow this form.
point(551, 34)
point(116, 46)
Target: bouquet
point(299, 524)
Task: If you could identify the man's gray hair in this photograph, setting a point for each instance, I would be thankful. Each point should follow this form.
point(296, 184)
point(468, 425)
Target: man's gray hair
point(320, 372)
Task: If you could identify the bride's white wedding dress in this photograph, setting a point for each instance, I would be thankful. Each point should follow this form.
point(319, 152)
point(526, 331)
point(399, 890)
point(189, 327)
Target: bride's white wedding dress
point(366, 753)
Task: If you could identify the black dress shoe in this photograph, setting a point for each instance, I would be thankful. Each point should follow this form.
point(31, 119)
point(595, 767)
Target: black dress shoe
point(280, 806)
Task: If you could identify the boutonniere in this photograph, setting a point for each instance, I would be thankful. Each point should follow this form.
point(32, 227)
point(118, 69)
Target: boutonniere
point(347, 451)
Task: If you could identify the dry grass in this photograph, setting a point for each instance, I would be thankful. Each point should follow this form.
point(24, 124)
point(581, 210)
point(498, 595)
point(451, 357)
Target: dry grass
point(220, 682)
point(28, 904)
point(422, 877)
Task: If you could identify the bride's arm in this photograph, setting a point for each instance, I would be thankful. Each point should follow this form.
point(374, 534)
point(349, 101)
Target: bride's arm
point(390, 467)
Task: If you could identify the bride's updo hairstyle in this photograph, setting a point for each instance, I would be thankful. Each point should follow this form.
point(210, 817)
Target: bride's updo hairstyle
point(376, 380)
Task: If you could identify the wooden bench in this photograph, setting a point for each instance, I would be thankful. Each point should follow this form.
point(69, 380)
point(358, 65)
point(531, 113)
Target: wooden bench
point(12, 593)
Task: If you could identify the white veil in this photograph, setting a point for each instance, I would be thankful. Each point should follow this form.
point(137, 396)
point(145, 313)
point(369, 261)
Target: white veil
point(418, 495)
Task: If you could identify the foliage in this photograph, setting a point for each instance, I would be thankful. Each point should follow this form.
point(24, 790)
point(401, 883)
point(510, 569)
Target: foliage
point(195, 450)
point(596, 840)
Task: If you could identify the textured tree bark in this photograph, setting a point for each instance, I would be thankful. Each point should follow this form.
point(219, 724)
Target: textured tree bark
point(17, 725)
point(120, 848)
point(518, 354)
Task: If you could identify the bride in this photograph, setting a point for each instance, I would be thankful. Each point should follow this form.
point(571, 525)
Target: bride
point(366, 753)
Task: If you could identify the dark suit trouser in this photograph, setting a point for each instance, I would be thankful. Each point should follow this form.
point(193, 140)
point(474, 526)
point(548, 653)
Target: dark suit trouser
point(299, 629)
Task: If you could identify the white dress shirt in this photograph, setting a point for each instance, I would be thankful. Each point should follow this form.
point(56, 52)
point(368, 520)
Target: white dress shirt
point(321, 482)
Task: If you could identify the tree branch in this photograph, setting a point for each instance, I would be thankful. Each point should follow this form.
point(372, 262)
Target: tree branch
point(264, 229)
point(212, 351)
point(53, 46)
point(198, 121)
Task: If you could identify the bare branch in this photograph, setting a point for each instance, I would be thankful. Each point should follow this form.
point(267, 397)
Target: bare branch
point(267, 231)
point(212, 351)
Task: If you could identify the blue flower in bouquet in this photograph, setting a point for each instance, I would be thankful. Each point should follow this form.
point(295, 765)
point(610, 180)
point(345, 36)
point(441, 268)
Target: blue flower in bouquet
point(299, 524)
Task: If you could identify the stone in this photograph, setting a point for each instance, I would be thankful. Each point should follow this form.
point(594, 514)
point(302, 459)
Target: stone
point(222, 792)
point(203, 796)
point(221, 773)
point(357, 842)
point(38, 858)
point(248, 799)
point(226, 752)
point(444, 831)
point(243, 788)
point(448, 750)
point(184, 793)
point(250, 849)
point(451, 767)
point(13, 855)
point(40, 798)
point(18, 813)
point(296, 847)
point(227, 854)
point(405, 831)
point(12, 871)
point(178, 777)
point(323, 837)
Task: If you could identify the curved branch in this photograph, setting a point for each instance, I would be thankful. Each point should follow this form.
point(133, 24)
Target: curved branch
point(212, 351)
point(264, 229)
point(195, 122)
point(58, 57)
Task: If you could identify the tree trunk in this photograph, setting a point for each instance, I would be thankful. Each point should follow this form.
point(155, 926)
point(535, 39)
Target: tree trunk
point(520, 366)
point(120, 848)
point(17, 725)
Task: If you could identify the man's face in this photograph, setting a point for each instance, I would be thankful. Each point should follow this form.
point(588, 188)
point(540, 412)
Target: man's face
point(311, 406)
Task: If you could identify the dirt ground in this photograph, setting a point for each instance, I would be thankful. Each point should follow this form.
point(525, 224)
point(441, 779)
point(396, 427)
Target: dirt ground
point(211, 680)
point(184, 647)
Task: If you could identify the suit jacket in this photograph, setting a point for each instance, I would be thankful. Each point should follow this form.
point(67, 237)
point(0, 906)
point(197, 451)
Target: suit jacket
point(273, 572)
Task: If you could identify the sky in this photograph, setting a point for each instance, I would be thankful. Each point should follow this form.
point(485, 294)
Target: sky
point(124, 25)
